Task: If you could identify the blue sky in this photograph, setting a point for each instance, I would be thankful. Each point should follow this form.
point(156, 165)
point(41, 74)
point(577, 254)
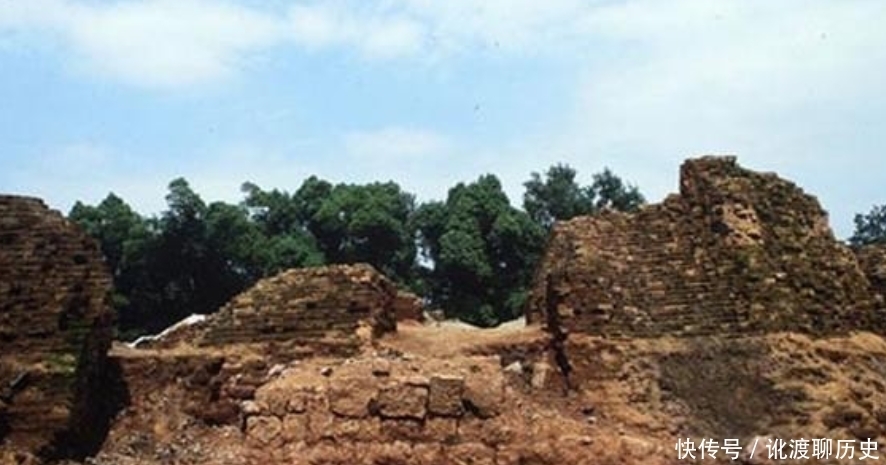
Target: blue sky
point(123, 96)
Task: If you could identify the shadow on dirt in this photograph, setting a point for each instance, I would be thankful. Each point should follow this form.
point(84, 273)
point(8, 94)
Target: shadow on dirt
point(725, 386)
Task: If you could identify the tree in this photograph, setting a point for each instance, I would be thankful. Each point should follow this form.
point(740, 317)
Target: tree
point(282, 219)
point(205, 254)
point(235, 240)
point(609, 192)
point(870, 228)
point(558, 197)
point(367, 223)
point(190, 260)
point(285, 251)
point(275, 211)
point(343, 223)
point(114, 224)
point(482, 252)
point(126, 240)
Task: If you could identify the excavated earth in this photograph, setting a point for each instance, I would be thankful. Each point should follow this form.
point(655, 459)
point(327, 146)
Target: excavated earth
point(442, 395)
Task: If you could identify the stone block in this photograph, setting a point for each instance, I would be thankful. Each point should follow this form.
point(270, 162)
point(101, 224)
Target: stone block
point(445, 395)
point(402, 430)
point(351, 396)
point(484, 389)
point(402, 400)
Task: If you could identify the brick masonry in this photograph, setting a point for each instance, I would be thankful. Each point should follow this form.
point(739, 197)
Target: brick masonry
point(55, 328)
point(332, 309)
point(735, 252)
point(872, 259)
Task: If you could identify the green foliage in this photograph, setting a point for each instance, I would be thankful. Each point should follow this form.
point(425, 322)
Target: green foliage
point(345, 223)
point(477, 253)
point(61, 363)
point(558, 196)
point(610, 192)
point(115, 225)
point(366, 223)
point(294, 250)
point(275, 212)
point(483, 252)
point(870, 228)
point(126, 240)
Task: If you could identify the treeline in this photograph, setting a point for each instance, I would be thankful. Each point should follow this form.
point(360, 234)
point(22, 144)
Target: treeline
point(471, 255)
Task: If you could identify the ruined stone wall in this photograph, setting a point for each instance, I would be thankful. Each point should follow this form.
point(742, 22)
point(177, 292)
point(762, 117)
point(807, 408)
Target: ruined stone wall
point(382, 406)
point(330, 310)
point(872, 259)
point(735, 252)
point(55, 329)
point(393, 409)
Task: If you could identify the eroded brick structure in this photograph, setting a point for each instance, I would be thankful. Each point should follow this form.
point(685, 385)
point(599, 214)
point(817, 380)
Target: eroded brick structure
point(332, 309)
point(381, 400)
point(55, 330)
point(735, 252)
point(872, 259)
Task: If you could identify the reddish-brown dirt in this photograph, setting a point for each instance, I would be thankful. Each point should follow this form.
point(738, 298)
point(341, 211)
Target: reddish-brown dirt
point(629, 399)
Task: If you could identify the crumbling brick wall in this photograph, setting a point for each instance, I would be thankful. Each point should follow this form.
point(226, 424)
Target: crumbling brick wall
point(735, 252)
point(55, 330)
point(377, 400)
point(872, 259)
point(382, 406)
point(392, 409)
point(326, 310)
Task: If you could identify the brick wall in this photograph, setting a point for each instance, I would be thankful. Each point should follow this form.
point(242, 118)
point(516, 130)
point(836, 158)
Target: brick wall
point(55, 328)
point(735, 252)
point(872, 259)
point(334, 309)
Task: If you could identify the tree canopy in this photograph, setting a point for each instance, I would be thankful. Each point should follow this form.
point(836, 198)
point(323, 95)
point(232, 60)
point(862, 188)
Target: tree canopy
point(471, 255)
point(557, 196)
point(482, 250)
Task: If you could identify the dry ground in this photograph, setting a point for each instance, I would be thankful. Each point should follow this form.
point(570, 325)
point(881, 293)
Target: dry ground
point(632, 397)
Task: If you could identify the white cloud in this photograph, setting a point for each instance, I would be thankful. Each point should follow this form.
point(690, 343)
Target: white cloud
point(376, 34)
point(429, 28)
point(731, 77)
point(516, 26)
point(792, 87)
point(152, 43)
point(175, 43)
